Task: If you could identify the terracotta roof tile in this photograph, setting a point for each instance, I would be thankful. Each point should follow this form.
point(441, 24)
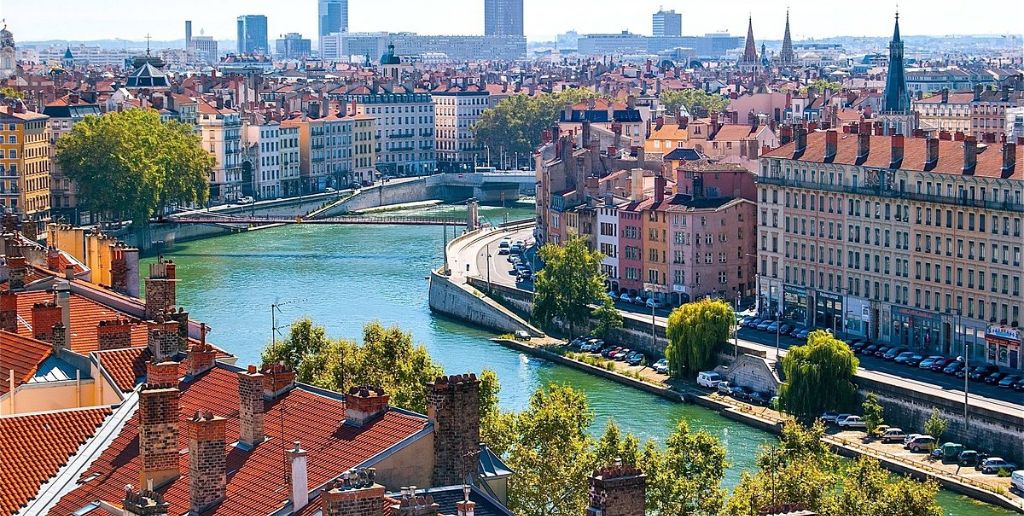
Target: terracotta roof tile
point(125, 365)
point(34, 447)
point(254, 477)
point(732, 132)
point(85, 316)
point(951, 155)
point(22, 354)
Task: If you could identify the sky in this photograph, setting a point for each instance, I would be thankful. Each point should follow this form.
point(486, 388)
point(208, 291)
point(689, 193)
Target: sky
point(32, 20)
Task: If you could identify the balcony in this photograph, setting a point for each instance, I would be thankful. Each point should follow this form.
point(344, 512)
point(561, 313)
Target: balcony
point(403, 134)
point(893, 194)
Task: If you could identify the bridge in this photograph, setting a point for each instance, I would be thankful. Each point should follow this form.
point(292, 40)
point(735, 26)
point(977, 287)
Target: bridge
point(265, 220)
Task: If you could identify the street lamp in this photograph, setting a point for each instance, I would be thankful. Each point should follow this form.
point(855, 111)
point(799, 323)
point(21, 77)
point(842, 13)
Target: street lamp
point(488, 267)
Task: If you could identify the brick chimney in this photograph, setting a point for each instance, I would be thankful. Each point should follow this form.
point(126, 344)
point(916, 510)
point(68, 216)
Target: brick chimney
point(354, 494)
point(299, 477)
point(364, 404)
point(52, 259)
point(201, 358)
point(114, 334)
point(785, 134)
point(144, 502)
point(250, 409)
point(617, 491)
point(970, 155)
point(161, 286)
point(1009, 159)
point(800, 138)
point(9, 311)
point(412, 504)
point(831, 144)
point(16, 269)
point(44, 315)
point(931, 153)
point(162, 374)
point(277, 380)
point(863, 145)
point(59, 338)
point(453, 405)
point(659, 188)
point(163, 339)
point(207, 474)
point(896, 153)
point(944, 135)
point(158, 434)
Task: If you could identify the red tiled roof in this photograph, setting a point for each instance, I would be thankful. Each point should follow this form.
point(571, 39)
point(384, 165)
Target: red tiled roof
point(34, 447)
point(953, 98)
point(732, 132)
point(22, 354)
point(951, 155)
point(254, 477)
point(85, 316)
point(124, 365)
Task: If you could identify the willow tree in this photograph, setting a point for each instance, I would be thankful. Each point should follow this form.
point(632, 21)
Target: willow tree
point(818, 376)
point(131, 164)
point(695, 332)
point(569, 282)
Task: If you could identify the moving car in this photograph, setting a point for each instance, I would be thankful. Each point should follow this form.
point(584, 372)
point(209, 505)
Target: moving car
point(995, 465)
point(893, 435)
point(522, 335)
point(503, 246)
point(661, 366)
point(852, 422)
point(709, 379)
point(921, 443)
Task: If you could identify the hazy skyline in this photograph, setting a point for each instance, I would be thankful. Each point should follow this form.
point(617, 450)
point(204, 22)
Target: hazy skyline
point(132, 20)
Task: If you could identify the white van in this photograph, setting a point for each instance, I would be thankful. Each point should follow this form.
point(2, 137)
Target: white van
point(1017, 480)
point(709, 379)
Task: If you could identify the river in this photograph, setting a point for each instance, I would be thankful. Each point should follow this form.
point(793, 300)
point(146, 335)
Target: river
point(345, 276)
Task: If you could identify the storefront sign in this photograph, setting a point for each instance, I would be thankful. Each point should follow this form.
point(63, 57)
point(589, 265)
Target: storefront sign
point(1003, 332)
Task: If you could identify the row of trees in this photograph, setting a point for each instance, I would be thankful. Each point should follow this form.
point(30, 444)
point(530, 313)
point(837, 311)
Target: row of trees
point(696, 102)
point(130, 164)
point(515, 124)
point(552, 450)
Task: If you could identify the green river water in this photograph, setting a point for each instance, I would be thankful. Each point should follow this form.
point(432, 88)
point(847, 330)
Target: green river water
point(345, 276)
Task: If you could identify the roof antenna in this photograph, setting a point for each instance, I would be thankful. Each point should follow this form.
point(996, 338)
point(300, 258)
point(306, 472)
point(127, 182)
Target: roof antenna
point(148, 37)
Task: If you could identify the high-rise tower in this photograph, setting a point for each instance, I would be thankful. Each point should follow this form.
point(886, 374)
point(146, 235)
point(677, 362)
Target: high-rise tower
point(667, 23)
point(252, 34)
point(503, 17)
point(332, 17)
point(786, 55)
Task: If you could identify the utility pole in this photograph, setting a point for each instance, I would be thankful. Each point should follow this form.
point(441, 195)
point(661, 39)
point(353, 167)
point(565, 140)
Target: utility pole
point(488, 250)
point(736, 328)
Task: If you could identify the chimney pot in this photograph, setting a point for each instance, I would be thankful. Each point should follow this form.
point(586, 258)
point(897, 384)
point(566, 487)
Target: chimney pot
point(831, 144)
point(158, 435)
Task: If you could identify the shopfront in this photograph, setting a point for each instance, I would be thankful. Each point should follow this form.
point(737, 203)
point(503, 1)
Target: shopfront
point(916, 329)
point(1002, 346)
point(828, 311)
point(858, 316)
point(795, 305)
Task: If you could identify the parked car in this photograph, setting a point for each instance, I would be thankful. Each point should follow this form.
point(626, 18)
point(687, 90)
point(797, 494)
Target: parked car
point(941, 364)
point(246, 200)
point(950, 452)
point(607, 353)
point(893, 353)
point(635, 359)
point(763, 326)
point(655, 303)
point(621, 354)
point(741, 393)
point(996, 464)
point(1017, 481)
point(724, 388)
point(910, 437)
point(760, 398)
point(773, 327)
point(881, 351)
point(914, 360)
point(927, 363)
point(829, 416)
point(709, 379)
point(858, 346)
point(953, 367)
point(880, 430)
point(902, 357)
point(853, 422)
point(742, 321)
point(968, 458)
point(626, 298)
point(869, 349)
point(661, 366)
point(1009, 380)
point(995, 377)
point(980, 372)
point(1019, 386)
point(841, 417)
point(639, 300)
point(522, 335)
point(921, 443)
point(795, 330)
point(802, 334)
point(893, 435)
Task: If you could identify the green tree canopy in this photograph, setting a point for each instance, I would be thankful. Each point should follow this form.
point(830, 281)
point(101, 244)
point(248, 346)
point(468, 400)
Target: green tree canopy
point(936, 425)
point(695, 331)
point(818, 376)
point(130, 163)
point(387, 358)
point(11, 93)
point(515, 124)
point(570, 280)
point(608, 318)
point(873, 416)
point(696, 102)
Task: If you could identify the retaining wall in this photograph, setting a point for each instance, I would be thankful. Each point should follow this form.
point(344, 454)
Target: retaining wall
point(468, 304)
point(416, 190)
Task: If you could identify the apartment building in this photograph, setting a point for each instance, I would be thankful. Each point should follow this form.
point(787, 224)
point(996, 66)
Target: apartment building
point(364, 156)
point(63, 114)
point(264, 137)
point(288, 150)
point(908, 241)
point(220, 130)
point(405, 126)
point(945, 111)
point(456, 109)
point(24, 162)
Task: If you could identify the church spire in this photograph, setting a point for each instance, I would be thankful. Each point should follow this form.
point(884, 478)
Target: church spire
point(897, 97)
point(750, 52)
point(786, 56)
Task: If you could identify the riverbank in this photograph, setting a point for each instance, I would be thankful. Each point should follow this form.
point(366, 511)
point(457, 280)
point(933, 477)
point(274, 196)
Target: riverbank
point(991, 490)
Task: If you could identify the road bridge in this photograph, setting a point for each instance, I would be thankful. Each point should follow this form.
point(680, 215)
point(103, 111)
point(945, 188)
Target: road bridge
point(257, 220)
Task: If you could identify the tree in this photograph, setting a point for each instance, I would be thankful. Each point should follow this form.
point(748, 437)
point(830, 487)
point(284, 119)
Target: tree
point(695, 331)
point(821, 85)
point(11, 93)
point(386, 358)
point(818, 376)
point(515, 124)
point(696, 102)
point(570, 280)
point(869, 490)
point(130, 163)
point(608, 318)
point(936, 425)
point(686, 478)
point(873, 417)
